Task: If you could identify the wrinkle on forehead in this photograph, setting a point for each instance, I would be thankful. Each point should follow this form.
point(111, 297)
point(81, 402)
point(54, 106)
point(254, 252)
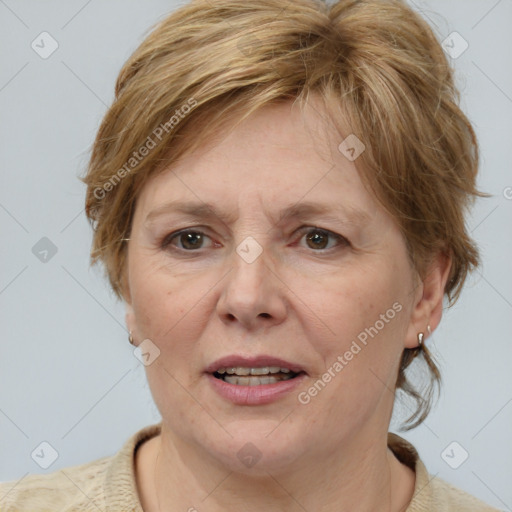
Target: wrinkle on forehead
point(276, 162)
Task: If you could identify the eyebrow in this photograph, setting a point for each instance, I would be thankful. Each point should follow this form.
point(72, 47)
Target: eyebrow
point(198, 210)
point(303, 210)
point(331, 212)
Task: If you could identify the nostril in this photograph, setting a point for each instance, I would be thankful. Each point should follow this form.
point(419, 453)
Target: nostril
point(230, 317)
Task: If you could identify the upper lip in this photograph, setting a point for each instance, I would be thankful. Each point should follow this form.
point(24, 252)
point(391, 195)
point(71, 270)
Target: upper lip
point(260, 361)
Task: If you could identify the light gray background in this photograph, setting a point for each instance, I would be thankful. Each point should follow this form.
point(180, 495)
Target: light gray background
point(67, 372)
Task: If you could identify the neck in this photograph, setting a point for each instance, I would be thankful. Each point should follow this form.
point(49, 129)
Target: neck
point(358, 478)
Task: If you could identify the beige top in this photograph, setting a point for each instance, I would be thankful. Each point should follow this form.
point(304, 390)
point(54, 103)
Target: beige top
point(108, 484)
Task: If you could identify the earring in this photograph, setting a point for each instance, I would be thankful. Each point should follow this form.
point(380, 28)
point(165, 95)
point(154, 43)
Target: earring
point(420, 338)
point(429, 330)
point(130, 338)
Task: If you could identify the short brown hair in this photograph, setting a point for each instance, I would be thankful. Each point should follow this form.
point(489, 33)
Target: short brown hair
point(375, 63)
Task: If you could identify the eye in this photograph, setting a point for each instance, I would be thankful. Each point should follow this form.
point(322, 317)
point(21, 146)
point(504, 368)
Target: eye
point(321, 239)
point(187, 240)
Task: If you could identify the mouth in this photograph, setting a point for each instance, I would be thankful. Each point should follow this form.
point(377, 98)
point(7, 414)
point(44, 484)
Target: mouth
point(254, 376)
point(254, 371)
point(254, 380)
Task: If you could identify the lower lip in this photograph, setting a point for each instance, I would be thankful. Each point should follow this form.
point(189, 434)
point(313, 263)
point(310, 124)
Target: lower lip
point(254, 395)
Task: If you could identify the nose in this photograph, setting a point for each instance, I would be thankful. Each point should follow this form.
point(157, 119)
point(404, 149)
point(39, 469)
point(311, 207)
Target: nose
point(253, 295)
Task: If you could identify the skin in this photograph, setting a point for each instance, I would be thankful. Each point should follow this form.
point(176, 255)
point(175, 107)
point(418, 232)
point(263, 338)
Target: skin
point(296, 301)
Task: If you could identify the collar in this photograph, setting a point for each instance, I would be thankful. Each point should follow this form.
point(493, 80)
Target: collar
point(120, 486)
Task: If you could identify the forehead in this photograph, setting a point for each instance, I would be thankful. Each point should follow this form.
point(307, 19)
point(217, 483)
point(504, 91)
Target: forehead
point(278, 156)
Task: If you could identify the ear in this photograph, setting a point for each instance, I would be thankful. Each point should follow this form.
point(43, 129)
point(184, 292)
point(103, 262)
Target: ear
point(428, 299)
point(130, 318)
point(129, 313)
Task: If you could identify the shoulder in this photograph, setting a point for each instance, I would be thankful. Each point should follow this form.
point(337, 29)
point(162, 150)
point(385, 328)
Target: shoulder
point(432, 493)
point(446, 497)
point(107, 484)
point(72, 488)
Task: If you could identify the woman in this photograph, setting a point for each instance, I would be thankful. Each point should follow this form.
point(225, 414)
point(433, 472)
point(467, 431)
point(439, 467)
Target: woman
point(278, 195)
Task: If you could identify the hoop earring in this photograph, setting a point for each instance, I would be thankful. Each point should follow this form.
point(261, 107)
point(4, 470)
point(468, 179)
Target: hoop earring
point(429, 330)
point(420, 339)
point(130, 338)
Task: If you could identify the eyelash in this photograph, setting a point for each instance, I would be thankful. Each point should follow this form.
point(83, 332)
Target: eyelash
point(342, 241)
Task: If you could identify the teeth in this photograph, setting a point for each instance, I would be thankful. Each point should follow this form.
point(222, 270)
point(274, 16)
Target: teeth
point(255, 381)
point(243, 371)
point(260, 371)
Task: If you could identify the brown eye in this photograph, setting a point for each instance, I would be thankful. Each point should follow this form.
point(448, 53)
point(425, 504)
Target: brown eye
point(186, 240)
point(320, 239)
point(317, 240)
point(192, 240)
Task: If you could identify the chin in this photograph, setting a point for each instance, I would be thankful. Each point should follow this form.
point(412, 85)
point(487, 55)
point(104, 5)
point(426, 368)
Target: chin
point(258, 448)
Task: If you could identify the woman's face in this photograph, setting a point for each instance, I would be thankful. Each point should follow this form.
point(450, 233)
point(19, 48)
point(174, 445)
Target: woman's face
point(267, 252)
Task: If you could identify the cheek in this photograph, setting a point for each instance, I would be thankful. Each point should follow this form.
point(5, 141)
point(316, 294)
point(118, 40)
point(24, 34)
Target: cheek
point(167, 306)
point(348, 303)
point(360, 344)
point(357, 336)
